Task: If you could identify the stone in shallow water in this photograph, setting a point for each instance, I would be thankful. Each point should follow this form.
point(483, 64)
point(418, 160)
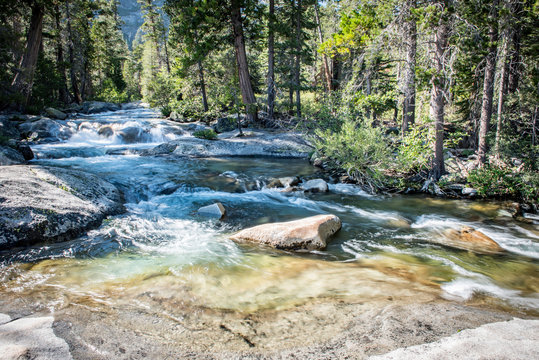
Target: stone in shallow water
point(309, 233)
point(214, 210)
point(316, 185)
point(470, 239)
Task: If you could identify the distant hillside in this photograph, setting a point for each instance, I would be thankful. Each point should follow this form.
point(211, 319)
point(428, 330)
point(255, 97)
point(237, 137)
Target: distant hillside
point(131, 14)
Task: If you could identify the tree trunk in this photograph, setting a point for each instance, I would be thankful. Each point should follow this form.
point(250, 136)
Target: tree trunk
point(515, 63)
point(501, 94)
point(167, 59)
point(297, 74)
point(247, 93)
point(410, 40)
point(437, 100)
point(24, 79)
point(327, 74)
point(202, 85)
point(60, 65)
point(72, 71)
point(271, 59)
point(488, 84)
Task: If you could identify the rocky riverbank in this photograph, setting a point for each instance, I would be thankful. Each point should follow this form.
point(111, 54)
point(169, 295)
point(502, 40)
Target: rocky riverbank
point(51, 204)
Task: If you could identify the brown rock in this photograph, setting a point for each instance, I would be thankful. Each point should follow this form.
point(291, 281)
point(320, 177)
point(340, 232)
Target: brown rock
point(309, 233)
point(470, 239)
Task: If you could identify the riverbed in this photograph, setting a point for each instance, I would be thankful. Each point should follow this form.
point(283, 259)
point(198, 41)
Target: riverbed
point(164, 276)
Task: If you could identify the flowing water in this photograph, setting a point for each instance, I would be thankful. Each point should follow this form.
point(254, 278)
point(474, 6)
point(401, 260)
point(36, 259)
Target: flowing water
point(161, 247)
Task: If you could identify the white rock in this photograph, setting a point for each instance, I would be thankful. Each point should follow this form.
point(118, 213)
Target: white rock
point(214, 210)
point(32, 338)
point(516, 340)
point(309, 233)
point(316, 185)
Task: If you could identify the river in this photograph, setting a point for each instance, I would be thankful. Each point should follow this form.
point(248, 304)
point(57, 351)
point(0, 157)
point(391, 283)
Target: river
point(160, 248)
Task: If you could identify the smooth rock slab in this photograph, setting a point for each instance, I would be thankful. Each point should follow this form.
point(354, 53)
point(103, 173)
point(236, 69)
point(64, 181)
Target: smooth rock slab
point(511, 340)
point(309, 233)
point(31, 338)
point(40, 203)
point(262, 143)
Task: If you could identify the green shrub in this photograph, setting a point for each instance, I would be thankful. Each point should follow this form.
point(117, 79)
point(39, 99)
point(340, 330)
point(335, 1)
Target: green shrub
point(358, 148)
point(492, 181)
point(207, 134)
point(415, 152)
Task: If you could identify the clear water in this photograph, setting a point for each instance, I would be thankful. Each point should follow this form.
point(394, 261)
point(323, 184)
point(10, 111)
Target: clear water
point(160, 246)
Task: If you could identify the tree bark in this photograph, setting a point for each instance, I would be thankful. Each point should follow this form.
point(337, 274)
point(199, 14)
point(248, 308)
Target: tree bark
point(72, 71)
point(167, 59)
point(297, 74)
point(515, 63)
point(437, 100)
point(488, 84)
point(410, 40)
point(247, 93)
point(24, 79)
point(327, 73)
point(60, 65)
point(501, 93)
point(271, 59)
point(202, 85)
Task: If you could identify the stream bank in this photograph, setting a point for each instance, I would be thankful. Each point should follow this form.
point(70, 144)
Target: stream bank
point(160, 280)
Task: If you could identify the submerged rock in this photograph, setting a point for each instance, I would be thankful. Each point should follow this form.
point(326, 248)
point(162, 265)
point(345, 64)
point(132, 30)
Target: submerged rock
point(163, 149)
point(316, 185)
point(468, 238)
point(51, 204)
point(105, 131)
point(309, 233)
point(216, 210)
point(131, 134)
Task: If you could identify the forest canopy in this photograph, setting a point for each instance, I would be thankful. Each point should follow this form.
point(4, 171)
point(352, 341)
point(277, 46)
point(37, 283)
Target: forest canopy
point(384, 87)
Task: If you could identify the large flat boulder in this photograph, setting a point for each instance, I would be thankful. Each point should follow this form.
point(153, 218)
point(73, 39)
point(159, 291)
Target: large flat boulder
point(468, 238)
point(51, 204)
point(261, 143)
point(515, 339)
point(94, 107)
point(309, 233)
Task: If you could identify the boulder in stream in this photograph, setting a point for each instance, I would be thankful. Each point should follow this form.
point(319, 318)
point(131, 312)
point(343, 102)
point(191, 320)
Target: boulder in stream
point(309, 233)
point(46, 130)
point(316, 185)
point(216, 210)
point(468, 238)
point(55, 113)
point(10, 156)
point(39, 203)
point(94, 107)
